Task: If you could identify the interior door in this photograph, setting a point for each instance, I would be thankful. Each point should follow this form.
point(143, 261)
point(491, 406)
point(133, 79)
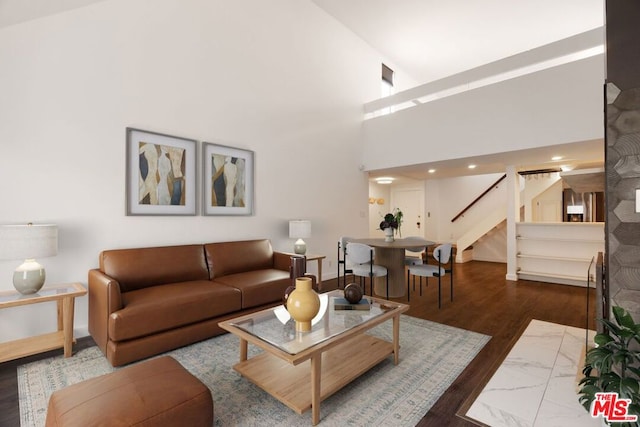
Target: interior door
point(411, 203)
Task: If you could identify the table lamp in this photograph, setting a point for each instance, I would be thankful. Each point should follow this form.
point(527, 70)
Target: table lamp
point(28, 242)
point(299, 229)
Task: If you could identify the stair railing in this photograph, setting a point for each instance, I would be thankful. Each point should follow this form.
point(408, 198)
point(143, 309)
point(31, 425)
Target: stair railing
point(494, 185)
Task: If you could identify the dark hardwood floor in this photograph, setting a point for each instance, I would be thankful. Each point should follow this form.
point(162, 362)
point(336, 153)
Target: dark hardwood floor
point(483, 302)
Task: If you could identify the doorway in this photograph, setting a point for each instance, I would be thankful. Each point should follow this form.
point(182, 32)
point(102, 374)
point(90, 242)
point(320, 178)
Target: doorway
point(411, 202)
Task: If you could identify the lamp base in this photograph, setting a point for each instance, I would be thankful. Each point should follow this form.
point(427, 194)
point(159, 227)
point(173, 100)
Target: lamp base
point(300, 247)
point(29, 277)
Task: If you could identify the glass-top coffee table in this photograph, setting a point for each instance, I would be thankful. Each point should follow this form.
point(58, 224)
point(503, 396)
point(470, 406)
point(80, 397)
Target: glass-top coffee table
point(301, 369)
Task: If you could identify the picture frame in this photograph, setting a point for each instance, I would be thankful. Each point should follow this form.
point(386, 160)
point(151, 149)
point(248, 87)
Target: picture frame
point(227, 180)
point(161, 175)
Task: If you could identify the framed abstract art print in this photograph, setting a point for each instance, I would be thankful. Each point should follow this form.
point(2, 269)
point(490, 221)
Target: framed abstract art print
point(161, 174)
point(227, 180)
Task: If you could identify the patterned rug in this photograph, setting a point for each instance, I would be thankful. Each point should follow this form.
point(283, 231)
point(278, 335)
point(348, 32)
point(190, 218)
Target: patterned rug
point(431, 358)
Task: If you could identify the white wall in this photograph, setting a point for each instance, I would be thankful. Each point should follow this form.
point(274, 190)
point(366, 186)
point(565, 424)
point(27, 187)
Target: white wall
point(447, 197)
point(547, 206)
point(280, 78)
point(380, 192)
point(563, 105)
point(538, 188)
point(492, 247)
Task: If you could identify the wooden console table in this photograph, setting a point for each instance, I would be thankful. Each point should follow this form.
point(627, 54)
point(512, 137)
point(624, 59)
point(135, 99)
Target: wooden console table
point(64, 295)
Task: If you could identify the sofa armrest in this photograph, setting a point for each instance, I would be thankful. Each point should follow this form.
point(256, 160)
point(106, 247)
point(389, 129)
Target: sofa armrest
point(282, 260)
point(104, 299)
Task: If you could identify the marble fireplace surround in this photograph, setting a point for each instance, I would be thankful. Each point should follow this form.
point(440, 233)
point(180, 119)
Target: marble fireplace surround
point(536, 384)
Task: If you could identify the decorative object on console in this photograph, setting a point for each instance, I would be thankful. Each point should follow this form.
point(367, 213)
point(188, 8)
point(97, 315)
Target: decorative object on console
point(227, 180)
point(28, 242)
point(299, 229)
point(353, 293)
point(303, 304)
point(161, 174)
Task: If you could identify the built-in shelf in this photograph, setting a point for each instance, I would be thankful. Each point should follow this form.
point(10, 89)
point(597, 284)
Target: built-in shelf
point(555, 239)
point(558, 258)
point(558, 252)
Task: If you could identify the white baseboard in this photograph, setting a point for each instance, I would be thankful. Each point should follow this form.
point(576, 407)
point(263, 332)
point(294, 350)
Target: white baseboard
point(489, 259)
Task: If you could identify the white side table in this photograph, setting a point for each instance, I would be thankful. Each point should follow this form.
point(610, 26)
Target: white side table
point(65, 296)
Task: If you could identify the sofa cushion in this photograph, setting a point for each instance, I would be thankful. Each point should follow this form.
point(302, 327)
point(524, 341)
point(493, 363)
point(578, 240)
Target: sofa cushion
point(138, 268)
point(258, 287)
point(226, 258)
point(158, 308)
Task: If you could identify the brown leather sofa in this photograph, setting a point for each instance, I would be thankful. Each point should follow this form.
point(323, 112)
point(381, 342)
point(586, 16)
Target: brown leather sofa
point(146, 301)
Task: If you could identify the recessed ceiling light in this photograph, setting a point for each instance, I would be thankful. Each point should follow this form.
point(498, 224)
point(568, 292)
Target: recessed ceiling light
point(472, 166)
point(384, 180)
point(555, 158)
point(431, 170)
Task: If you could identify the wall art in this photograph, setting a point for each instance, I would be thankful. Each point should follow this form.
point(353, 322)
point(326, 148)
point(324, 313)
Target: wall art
point(227, 180)
point(161, 174)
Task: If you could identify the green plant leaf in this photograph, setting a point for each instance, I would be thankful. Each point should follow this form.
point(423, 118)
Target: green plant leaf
point(600, 358)
point(627, 333)
point(623, 317)
point(587, 394)
point(612, 327)
point(636, 371)
point(602, 339)
point(629, 388)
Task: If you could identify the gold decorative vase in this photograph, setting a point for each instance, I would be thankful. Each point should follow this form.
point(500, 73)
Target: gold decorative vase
point(303, 304)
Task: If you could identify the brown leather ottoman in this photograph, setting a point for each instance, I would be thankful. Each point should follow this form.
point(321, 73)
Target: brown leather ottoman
point(158, 392)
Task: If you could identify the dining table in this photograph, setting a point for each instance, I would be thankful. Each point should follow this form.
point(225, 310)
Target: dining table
point(391, 255)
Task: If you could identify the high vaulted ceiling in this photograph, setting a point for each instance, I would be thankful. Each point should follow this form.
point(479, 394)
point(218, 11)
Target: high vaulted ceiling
point(431, 39)
point(427, 39)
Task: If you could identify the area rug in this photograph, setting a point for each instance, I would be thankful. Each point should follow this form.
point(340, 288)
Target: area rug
point(431, 358)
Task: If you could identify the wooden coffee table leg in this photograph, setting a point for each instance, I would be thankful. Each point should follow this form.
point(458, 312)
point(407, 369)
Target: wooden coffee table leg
point(243, 350)
point(316, 362)
point(396, 339)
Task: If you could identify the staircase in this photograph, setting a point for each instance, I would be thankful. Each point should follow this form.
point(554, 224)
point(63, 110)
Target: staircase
point(492, 220)
point(480, 229)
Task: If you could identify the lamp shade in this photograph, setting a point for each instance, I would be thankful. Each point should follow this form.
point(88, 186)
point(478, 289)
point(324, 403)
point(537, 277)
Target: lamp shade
point(28, 241)
point(299, 228)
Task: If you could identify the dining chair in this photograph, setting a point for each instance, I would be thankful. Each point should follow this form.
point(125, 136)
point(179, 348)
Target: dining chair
point(413, 259)
point(361, 256)
point(442, 254)
point(343, 260)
